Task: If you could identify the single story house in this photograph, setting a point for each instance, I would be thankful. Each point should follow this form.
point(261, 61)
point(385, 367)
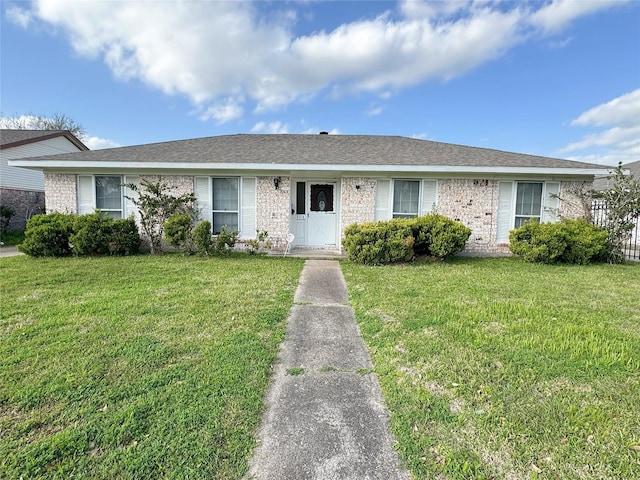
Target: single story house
point(22, 189)
point(316, 185)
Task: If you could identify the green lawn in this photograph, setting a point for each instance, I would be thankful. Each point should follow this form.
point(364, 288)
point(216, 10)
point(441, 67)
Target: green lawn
point(496, 368)
point(137, 367)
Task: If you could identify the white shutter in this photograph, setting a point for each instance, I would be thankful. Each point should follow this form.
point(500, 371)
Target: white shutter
point(203, 197)
point(551, 202)
point(86, 196)
point(129, 206)
point(383, 200)
point(429, 196)
point(505, 212)
point(248, 208)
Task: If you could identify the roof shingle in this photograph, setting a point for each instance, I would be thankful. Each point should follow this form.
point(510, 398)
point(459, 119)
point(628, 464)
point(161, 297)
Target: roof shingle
point(375, 150)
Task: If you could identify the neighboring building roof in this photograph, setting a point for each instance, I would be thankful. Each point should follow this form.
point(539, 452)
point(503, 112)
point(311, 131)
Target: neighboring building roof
point(312, 152)
point(15, 138)
point(603, 183)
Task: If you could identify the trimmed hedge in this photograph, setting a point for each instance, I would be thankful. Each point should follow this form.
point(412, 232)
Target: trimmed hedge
point(59, 235)
point(568, 241)
point(400, 240)
point(48, 235)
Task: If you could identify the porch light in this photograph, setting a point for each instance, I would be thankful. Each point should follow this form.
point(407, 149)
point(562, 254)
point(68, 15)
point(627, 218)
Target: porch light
point(276, 182)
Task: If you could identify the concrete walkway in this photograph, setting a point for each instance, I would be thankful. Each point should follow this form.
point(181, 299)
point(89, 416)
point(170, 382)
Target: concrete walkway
point(324, 418)
point(9, 251)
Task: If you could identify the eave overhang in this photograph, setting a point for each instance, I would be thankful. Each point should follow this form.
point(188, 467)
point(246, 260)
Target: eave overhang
point(84, 166)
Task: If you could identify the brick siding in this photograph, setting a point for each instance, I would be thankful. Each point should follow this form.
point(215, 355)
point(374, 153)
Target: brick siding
point(272, 209)
point(357, 201)
point(25, 203)
point(60, 193)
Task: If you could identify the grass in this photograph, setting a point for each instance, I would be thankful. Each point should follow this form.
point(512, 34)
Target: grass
point(137, 367)
point(500, 369)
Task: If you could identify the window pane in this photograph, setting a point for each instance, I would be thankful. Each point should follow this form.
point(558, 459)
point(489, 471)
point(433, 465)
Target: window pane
point(405, 198)
point(521, 221)
point(529, 199)
point(301, 198)
point(230, 220)
point(108, 193)
point(321, 198)
point(225, 194)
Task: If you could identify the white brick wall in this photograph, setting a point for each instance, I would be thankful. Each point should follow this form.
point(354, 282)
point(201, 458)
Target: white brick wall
point(474, 202)
point(272, 209)
point(357, 204)
point(180, 184)
point(60, 193)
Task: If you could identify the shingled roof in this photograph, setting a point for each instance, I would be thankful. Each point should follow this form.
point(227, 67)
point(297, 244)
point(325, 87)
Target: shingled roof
point(307, 151)
point(13, 138)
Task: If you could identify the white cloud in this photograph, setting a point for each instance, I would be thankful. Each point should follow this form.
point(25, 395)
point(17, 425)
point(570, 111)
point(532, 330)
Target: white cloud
point(217, 53)
point(273, 127)
point(97, 143)
point(624, 110)
point(223, 112)
point(19, 16)
point(421, 136)
point(374, 111)
point(316, 131)
point(620, 142)
point(554, 16)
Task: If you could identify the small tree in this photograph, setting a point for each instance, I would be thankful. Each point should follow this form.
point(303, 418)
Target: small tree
point(58, 121)
point(623, 209)
point(156, 204)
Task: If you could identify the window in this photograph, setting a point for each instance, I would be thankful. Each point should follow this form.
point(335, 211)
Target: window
point(321, 198)
point(109, 195)
point(225, 204)
point(406, 195)
point(528, 202)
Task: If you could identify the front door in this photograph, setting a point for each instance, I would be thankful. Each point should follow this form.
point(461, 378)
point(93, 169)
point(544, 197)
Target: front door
point(321, 219)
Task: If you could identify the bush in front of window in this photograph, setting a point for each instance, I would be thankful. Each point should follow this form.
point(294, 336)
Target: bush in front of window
point(400, 240)
point(438, 236)
point(59, 235)
point(202, 239)
point(177, 232)
point(568, 241)
point(47, 235)
point(378, 243)
point(226, 241)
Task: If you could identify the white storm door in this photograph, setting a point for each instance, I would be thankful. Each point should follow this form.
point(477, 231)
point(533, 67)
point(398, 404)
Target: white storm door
point(321, 214)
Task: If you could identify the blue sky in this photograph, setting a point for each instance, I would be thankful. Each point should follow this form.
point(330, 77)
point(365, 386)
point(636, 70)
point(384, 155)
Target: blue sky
point(557, 78)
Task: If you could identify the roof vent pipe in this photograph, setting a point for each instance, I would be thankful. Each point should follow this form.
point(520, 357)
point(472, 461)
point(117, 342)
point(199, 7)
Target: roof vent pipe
point(324, 133)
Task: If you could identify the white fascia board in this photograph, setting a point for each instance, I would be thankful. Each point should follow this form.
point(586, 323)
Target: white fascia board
point(126, 166)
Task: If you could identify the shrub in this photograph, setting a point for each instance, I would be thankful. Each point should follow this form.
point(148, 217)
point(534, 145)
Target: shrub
point(400, 240)
point(48, 235)
point(225, 241)
point(202, 237)
point(377, 243)
point(260, 244)
point(155, 205)
point(177, 231)
point(6, 213)
point(57, 234)
point(568, 241)
point(439, 236)
point(91, 234)
point(125, 237)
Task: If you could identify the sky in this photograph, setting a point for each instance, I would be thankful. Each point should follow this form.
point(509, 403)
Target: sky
point(553, 78)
